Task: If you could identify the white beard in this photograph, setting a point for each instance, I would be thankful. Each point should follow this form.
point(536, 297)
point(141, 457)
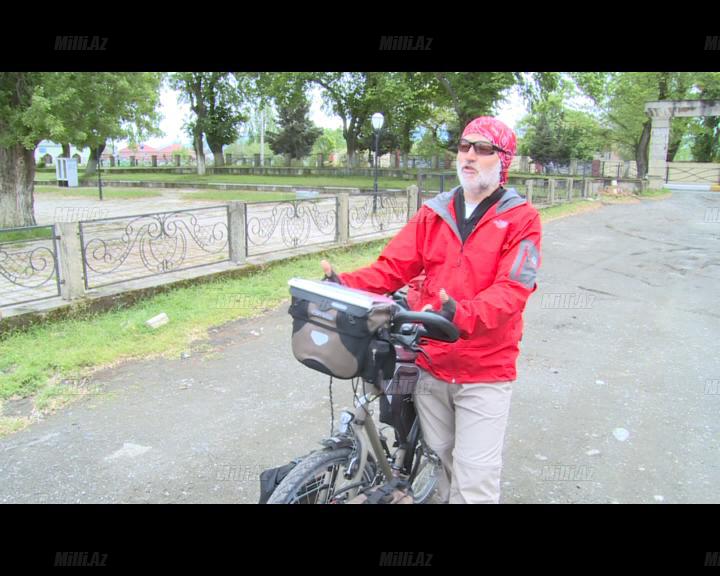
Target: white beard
point(483, 181)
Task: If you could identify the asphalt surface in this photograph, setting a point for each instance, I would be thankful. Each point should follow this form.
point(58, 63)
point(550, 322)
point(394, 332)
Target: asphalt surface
point(616, 399)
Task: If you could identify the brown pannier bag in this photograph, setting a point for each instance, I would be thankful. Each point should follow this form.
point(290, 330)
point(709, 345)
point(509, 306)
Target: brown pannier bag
point(334, 326)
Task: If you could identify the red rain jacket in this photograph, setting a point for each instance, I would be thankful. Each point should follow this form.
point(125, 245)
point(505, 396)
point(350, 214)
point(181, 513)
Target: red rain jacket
point(490, 277)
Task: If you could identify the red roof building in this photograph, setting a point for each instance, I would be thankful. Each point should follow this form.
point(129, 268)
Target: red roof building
point(142, 152)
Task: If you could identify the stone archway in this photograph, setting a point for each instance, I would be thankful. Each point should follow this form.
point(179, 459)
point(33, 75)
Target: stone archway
point(661, 113)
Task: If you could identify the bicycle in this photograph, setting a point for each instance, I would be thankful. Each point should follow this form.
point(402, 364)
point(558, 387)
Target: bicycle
point(345, 465)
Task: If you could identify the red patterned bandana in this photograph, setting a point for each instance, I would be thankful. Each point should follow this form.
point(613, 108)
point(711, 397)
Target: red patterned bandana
point(499, 134)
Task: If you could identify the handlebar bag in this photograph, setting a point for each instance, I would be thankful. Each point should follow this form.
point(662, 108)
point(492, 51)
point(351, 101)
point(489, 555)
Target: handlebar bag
point(333, 326)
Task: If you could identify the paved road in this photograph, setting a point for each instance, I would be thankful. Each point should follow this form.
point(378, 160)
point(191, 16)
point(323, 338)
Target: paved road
point(616, 400)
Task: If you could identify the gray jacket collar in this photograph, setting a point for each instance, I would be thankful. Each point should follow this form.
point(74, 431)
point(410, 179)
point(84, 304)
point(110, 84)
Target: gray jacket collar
point(440, 205)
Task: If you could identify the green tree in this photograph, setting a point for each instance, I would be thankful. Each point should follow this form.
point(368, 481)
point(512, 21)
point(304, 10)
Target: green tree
point(85, 109)
point(215, 100)
point(469, 95)
point(31, 106)
point(409, 99)
point(555, 133)
point(112, 105)
point(296, 134)
point(705, 132)
point(621, 98)
point(228, 98)
point(352, 96)
point(330, 141)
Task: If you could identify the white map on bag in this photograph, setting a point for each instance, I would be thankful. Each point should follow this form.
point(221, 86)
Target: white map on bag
point(340, 293)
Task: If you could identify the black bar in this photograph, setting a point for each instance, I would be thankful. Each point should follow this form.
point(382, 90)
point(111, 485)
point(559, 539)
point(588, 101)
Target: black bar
point(56, 254)
point(131, 216)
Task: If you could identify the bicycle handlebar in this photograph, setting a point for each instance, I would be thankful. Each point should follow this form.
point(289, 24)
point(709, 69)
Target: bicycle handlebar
point(437, 327)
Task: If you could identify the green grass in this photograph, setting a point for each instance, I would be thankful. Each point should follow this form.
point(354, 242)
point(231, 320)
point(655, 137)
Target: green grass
point(34, 360)
point(108, 192)
point(297, 181)
point(228, 195)
point(45, 176)
point(655, 193)
point(568, 209)
point(9, 425)
point(20, 235)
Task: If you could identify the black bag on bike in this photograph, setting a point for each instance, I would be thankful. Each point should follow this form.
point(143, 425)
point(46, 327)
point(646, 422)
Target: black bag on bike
point(334, 327)
point(380, 361)
point(398, 411)
point(396, 404)
point(271, 478)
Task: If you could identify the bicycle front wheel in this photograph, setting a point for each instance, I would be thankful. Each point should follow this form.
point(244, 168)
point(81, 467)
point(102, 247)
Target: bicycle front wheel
point(317, 479)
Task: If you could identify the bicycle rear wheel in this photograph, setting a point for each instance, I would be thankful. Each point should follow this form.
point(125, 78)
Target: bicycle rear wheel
point(426, 471)
point(317, 478)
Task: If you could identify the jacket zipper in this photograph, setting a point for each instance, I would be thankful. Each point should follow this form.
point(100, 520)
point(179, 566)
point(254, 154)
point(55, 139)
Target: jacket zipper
point(481, 223)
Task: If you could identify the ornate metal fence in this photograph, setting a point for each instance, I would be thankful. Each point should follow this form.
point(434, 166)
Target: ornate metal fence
point(28, 264)
point(132, 247)
point(370, 215)
point(286, 225)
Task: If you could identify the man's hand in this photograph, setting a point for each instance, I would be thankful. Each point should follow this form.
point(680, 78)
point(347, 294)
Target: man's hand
point(330, 275)
point(448, 306)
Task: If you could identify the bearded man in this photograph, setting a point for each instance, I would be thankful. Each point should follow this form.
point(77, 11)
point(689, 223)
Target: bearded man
point(477, 248)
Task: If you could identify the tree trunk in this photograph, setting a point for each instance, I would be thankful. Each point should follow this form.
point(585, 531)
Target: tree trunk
point(351, 151)
point(641, 151)
point(17, 173)
point(95, 154)
point(678, 129)
point(218, 157)
point(66, 150)
point(199, 153)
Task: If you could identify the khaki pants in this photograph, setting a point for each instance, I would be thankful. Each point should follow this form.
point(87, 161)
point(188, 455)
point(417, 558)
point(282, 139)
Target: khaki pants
point(465, 425)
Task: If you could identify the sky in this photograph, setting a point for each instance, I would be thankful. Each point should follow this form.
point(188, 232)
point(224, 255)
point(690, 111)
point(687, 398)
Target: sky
point(175, 113)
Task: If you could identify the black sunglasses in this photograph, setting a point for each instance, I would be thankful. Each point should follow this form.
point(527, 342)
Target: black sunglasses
point(481, 148)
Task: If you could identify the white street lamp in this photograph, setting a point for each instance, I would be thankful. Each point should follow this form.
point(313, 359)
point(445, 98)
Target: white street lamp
point(377, 123)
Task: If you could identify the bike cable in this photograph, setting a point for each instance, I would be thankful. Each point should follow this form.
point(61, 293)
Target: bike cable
point(332, 413)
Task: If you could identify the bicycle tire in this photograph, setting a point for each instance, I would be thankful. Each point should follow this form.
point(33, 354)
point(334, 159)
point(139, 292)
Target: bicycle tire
point(424, 487)
point(308, 468)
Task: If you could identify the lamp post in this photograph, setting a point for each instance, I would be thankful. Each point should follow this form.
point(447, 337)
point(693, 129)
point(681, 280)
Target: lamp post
point(99, 169)
point(377, 123)
point(262, 138)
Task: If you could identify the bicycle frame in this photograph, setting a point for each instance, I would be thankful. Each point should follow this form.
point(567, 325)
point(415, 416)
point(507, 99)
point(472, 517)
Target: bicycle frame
point(357, 434)
point(356, 426)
